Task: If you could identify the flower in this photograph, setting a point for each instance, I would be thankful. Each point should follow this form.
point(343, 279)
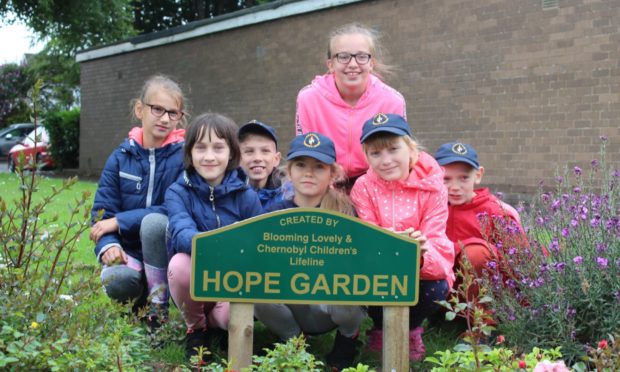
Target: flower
point(500, 339)
point(602, 344)
point(34, 325)
point(522, 364)
point(577, 171)
point(602, 262)
point(578, 260)
point(547, 366)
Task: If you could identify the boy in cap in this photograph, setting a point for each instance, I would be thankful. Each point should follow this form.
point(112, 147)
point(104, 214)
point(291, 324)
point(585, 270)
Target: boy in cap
point(468, 205)
point(260, 159)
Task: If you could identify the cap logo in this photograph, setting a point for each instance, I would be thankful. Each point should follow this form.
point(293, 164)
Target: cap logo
point(380, 119)
point(459, 149)
point(311, 140)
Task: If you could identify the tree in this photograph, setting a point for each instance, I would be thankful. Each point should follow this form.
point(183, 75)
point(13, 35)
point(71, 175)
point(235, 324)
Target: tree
point(15, 83)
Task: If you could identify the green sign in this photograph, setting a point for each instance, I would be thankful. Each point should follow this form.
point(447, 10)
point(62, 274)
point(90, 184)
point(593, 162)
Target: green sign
point(305, 255)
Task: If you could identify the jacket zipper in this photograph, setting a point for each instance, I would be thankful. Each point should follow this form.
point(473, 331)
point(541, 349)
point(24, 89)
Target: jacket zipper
point(212, 200)
point(393, 212)
point(149, 193)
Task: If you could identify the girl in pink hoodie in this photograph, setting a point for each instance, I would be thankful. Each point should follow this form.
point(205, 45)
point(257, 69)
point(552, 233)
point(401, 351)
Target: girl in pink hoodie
point(337, 103)
point(403, 192)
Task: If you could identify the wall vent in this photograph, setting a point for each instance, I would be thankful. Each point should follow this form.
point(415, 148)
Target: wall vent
point(550, 4)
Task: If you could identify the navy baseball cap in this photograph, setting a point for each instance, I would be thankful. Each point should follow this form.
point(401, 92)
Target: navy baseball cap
point(453, 152)
point(314, 145)
point(255, 126)
point(390, 123)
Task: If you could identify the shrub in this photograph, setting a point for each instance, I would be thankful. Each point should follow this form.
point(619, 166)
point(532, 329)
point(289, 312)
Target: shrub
point(64, 131)
point(565, 287)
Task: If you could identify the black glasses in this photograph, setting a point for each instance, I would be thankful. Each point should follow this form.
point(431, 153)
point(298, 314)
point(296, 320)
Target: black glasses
point(360, 58)
point(160, 111)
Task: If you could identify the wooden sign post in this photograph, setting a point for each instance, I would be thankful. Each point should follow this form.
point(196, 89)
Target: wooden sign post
point(308, 256)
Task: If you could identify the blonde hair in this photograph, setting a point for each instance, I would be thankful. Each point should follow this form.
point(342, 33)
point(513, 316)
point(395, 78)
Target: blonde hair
point(381, 69)
point(383, 140)
point(336, 198)
point(167, 84)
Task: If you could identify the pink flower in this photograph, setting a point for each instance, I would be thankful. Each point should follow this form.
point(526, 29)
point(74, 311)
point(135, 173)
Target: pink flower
point(522, 364)
point(547, 366)
point(500, 339)
point(602, 344)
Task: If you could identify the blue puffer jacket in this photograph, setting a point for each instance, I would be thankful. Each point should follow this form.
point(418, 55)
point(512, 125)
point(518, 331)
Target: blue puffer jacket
point(133, 184)
point(195, 207)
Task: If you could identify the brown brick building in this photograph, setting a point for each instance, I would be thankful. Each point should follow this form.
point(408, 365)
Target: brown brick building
point(532, 84)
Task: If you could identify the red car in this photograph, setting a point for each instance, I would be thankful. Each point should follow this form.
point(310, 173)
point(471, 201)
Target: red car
point(27, 147)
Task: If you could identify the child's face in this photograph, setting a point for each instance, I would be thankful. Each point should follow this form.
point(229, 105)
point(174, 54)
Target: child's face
point(351, 75)
point(310, 177)
point(156, 129)
point(460, 180)
point(258, 158)
point(391, 163)
point(210, 157)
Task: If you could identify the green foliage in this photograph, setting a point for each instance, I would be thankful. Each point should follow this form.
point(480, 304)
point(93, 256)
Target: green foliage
point(61, 76)
point(496, 359)
point(15, 81)
point(565, 290)
point(64, 131)
point(290, 356)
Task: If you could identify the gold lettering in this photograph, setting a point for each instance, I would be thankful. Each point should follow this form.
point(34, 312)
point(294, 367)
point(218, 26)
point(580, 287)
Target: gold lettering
point(206, 280)
point(402, 286)
point(305, 287)
point(356, 284)
point(341, 281)
point(226, 280)
point(377, 285)
point(272, 279)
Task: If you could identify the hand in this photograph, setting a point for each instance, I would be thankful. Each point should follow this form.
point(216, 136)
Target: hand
point(103, 227)
point(114, 256)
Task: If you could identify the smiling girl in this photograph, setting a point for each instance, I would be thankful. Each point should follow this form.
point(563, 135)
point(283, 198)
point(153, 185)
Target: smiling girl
point(339, 102)
point(211, 193)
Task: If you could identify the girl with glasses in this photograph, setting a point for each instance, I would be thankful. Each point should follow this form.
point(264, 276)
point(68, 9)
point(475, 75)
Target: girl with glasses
point(129, 219)
point(338, 103)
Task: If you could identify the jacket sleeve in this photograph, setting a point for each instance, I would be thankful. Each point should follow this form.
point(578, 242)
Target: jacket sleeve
point(362, 200)
point(181, 225)
point(439, 258)
point(107, 200)
point(131, 220)
point(251, 205)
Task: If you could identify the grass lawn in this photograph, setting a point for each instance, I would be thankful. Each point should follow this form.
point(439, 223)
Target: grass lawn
point(441, 337)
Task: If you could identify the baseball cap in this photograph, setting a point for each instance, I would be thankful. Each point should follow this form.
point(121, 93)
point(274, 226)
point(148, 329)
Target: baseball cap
point(390, 123)
point(255, 126)
point(453, 152)
point(314, 145)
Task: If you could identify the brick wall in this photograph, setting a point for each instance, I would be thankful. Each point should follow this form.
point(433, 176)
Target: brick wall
point(531, 89)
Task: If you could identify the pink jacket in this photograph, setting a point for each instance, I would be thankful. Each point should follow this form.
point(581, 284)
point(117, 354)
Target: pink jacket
point(321, 109)
point(421, 202)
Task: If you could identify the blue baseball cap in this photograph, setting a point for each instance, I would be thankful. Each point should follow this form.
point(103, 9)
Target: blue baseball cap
point(314, 145)
point(390, 123)
point(257, 127)
point(453, 152)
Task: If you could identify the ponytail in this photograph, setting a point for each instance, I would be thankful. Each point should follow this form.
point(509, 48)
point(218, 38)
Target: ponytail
point(336, 198)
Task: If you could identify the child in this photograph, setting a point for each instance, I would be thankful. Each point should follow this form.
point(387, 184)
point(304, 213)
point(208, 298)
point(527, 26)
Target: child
point(211, 193)
point(403, 192)
point(259, 159)
point(352, 90)
point(312, 169)
point(130, 246)
point(462, 174)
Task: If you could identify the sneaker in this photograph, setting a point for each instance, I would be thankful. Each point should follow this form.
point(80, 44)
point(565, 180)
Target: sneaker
point(416, 346)
point(375, 340)
point(156, 316)
point(343, 353)
point(194, 339)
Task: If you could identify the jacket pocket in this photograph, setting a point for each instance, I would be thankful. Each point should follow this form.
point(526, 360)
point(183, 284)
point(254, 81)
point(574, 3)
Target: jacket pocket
point(130, 182)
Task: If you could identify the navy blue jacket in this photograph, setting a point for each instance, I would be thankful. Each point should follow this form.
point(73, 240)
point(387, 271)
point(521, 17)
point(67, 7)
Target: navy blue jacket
point(195, 207)
point(133, 184)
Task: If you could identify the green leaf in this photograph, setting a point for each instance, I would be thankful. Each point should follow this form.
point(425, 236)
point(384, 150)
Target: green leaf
point(450, 315)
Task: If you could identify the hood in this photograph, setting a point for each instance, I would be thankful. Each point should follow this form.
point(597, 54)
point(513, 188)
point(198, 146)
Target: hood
point(177, 135)
point(326, 85)
point(426, 175)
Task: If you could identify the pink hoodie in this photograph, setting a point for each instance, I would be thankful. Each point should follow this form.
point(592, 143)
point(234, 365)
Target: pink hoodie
point(421, 202)
point(321, 109)
point(177, 135)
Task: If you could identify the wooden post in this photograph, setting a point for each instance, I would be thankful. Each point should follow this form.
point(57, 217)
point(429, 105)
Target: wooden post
point(240, 335)
point(395, 339)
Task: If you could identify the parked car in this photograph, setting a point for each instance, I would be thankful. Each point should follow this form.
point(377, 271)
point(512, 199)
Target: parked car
point(12, 134)
point(27, 147)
